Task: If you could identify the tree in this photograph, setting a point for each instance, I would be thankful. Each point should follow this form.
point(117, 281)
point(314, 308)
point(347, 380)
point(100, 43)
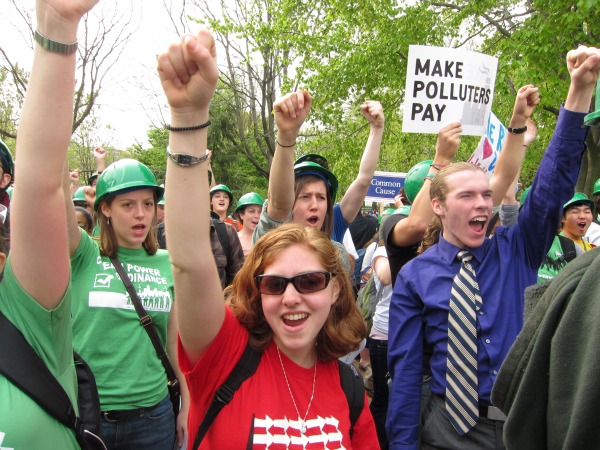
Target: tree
point(87, 137)
point(256, 63)
point(154, 157)
point(346, 52)
point(352, 51)
point(106, 32)
point(8, 103)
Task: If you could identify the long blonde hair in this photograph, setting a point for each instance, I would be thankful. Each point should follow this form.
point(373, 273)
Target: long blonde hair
point(439, 191)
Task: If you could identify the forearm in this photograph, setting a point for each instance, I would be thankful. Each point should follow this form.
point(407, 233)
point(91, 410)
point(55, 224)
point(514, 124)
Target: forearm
point(281, 179)
point(356, 193)
point(200, 310)
point(44, 134)
point(509, 161)
point(187, 227)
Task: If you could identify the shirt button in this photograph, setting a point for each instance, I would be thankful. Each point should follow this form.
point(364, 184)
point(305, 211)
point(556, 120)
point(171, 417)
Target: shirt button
point(495, 372)
point(487, 341)
point(481, 313)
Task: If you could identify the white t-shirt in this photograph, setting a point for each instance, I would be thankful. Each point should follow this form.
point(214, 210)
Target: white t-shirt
point(593, 234)
point(381, 317)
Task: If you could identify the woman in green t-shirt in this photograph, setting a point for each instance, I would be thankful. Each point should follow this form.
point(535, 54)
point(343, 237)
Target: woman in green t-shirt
point(131, 379)
point(35, 294)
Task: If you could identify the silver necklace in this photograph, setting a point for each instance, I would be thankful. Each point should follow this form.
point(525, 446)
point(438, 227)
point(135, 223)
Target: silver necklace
point(302, 421)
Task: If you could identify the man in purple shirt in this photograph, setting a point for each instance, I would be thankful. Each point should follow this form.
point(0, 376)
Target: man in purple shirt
point(504, 266)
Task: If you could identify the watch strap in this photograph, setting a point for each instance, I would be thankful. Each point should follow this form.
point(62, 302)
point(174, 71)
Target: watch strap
point(517, 130)
point(53, 46)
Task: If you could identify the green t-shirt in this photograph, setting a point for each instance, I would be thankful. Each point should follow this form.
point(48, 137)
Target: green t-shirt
point(106, 329)
point(23, 423)
point(553, 263)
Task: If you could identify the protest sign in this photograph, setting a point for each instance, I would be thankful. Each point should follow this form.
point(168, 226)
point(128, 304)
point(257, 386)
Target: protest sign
point(488, 149)
point(385, 186)
point(445, 85)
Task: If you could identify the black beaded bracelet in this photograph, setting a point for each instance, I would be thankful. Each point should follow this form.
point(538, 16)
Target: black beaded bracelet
point(194, 128)
point(517, 130)
point(285, 146)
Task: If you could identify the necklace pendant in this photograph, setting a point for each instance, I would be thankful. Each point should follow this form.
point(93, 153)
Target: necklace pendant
point(303, 427)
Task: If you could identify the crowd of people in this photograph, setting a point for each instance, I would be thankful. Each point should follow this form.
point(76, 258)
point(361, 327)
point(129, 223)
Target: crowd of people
point(462, 307)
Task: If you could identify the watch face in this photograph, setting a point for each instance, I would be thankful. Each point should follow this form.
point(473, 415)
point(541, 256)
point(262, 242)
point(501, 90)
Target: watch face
point(185, 160)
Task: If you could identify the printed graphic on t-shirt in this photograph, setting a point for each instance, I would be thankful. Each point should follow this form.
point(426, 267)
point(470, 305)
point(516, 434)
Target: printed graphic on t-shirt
point(103, 280)
point(150, 285)
point(321, 433)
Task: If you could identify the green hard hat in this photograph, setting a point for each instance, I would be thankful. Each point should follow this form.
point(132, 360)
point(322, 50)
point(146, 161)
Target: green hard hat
point(162, 199)
point(125, 175)
point(221, 187)
point(596, 187)
point(251, 198)
point(313, 157)
point(579, 198)
point(524, 196)
point(6, 159)
point(414, 179)
point(312, 168)
point(79, 195)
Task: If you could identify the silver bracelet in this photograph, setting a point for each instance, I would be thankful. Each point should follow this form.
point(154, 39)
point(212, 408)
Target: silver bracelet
point(185, 160)
point(53, 46)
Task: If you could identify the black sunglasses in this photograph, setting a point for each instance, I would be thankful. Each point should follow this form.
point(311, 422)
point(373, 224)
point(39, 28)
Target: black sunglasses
point(305, 283)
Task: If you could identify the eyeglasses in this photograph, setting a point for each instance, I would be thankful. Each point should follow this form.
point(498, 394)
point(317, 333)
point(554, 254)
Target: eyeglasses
point(305, 283)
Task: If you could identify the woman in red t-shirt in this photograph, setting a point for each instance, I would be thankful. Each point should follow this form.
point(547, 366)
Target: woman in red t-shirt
point(292, 300)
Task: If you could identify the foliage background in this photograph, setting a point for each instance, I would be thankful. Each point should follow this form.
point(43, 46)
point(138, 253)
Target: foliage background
point(344, 52)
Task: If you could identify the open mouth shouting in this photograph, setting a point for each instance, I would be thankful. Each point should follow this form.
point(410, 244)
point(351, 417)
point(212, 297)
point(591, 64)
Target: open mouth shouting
point(477, 224)
point(139, 229)
point(313, 221)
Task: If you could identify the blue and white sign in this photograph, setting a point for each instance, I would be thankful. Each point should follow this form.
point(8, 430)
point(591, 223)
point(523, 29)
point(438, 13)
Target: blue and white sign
point(385, 186)
point(490, 145)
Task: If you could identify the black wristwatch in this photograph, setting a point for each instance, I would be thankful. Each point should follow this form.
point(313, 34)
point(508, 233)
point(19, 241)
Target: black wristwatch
point(185, 160)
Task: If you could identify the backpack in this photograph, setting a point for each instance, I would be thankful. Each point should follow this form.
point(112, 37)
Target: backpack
point(568, 246)
point(351, 382)
point(357, 269)
point(368, 298)
point(23, 367)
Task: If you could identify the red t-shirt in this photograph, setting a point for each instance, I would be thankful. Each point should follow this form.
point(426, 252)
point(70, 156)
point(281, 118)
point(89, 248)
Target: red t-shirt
point(262, 414)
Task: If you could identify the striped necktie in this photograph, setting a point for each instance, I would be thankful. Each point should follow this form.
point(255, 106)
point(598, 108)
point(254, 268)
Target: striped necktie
point(462, 400)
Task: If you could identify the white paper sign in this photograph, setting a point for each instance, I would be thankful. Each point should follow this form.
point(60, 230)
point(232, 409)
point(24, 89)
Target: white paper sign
point(445, 85)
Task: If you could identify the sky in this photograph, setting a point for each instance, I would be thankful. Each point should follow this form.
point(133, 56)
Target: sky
point(128, 97)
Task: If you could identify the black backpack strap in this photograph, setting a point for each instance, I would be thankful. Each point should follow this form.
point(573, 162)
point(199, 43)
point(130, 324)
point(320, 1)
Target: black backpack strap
point(221, 230)
point(354, 389)
point(568, 247)
point(20, 364)
point(244, 369)
point(24, 368)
